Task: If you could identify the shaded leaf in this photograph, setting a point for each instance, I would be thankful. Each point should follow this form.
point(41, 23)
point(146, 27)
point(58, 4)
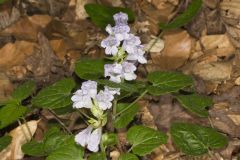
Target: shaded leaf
point(68, 150)
point(109, 139)
point(185, 17)
point(34, 148)
point(167, 82)
point(195, 103)
point(97, 156)
point(23, 91)
point(103, 15)
point(90, 68)
point(5, 141)
point(10, 113)
point(128, 87)
point(55, 96)
point(127, 116)
point(195, 139)
point(128, 156)
point(144, 140)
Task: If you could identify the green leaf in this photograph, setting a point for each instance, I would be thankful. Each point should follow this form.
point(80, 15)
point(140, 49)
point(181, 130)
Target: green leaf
point(5, 141)
point(195, 103)
point(195, 139)
point(3, 1)
point(127, 116)
point(103, 15)
point(34, 148)
point(24, 91)
point(97, 156)
point(126, 86)
point(167, 82)
point(10, 113)
point(109, 139)
point(56, 96)
point(185, 17)
point(68, 150)
point(55, 145)
point(144, 140)
point(128, 156)
point(90, 68)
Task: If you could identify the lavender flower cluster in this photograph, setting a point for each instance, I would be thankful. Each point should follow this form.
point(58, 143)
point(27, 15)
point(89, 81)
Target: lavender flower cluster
point(125, 48)
point(87, 97)
point(127, 51)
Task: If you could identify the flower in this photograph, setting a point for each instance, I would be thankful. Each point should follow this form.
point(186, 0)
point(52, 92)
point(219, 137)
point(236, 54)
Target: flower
point(81, 100)
point(131, 43)
point(110, 44)
point(112, 91)
point(128, 71)
point(87, 96)
point(137, 55)
point(120, 18)
point(113, 71)
point(89, 138)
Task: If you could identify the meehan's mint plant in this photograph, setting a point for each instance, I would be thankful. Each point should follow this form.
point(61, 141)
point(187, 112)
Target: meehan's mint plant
point(107, 100)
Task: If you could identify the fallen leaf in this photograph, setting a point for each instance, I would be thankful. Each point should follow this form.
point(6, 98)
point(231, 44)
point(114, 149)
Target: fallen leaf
point(155, 45)
point(15, 53)
point(177, 49)
point(20, 136)
point(6, 19)
point(235, 118)
point(219, 45)
point(40, 20)
point(23, 29)
point(215, 71)
point(80, 11)
point(6, 87)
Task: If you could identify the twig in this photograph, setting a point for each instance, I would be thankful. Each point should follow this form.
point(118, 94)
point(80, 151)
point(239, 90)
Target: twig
point(59, 121)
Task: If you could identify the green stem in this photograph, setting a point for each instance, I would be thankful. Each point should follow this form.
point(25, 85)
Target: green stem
point(114, 108)
point(130, 105)
point(28, 128)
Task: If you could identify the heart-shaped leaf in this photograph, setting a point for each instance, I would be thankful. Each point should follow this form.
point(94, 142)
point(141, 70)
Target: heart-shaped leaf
point(103, 15)
point(4, 142)
point(127, 116)
point(55, 96)
point(90, 68)
point(128, 156)
point(144, 140)
point(195, 103)
point(167, 82)
point(195, 139)
point(23, 91)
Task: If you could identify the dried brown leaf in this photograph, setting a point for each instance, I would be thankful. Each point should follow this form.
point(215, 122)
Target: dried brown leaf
point(20, 136)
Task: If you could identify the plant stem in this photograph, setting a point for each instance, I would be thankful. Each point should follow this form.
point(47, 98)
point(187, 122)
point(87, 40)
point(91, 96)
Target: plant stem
point(59, 121)
point(130, 105)
point(114, 108)
point(29, 131)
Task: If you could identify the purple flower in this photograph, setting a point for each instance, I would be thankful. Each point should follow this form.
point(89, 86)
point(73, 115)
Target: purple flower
point(104, 100)
point(113, 71)
point(89, 138)
point(121, 32)
point(137, 55)
point(131, 43)
point(112, 91)
point(89, 88)
point(110, 44)
point(128, 71)
point(81, 100)
point(120, 18)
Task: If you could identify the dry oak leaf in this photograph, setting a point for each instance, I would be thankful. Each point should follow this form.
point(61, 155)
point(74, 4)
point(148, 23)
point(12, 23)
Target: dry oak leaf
point(20, 136)
point(40, 20)
point(220, 45)
point(23, 29)
point(215, 71)
point(230, 11)
point(155, 45)
point(81, 14)
point(177, 49)
point(15, 53)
